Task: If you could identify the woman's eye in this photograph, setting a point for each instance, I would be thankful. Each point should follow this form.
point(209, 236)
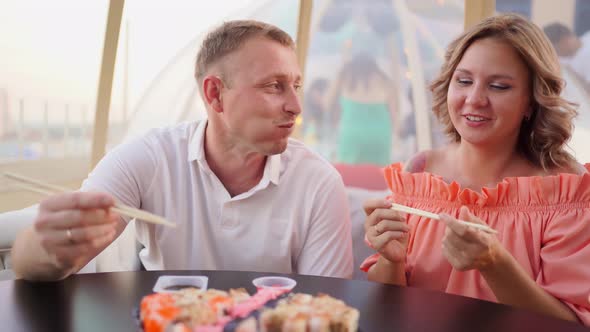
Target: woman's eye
point(463, 81)
point(500, 86)
point(297, 87)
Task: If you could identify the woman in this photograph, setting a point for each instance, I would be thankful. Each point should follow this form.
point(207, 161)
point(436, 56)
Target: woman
point(369, 112)
point(498, 94)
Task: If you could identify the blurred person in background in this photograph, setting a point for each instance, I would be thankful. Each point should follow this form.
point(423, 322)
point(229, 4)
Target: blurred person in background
point(572, 52)
point(319, 125)
point(369, 119)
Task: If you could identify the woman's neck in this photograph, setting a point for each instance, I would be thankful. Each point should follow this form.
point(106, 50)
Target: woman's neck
point(486, 166)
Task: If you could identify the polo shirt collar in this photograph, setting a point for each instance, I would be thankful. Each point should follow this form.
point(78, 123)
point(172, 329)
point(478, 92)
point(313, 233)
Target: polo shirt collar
point(196, 152)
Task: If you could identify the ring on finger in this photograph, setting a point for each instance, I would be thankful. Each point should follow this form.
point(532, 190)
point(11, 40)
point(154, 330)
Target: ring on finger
point(69, 236)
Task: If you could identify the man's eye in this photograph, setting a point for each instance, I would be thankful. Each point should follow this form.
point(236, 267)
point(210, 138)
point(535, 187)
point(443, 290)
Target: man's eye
point(297, 87)
point(275, 86)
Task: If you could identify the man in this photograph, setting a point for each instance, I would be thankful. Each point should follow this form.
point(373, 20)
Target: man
point(244, 195)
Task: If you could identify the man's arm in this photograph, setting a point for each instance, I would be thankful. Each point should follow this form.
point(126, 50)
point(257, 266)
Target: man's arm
point(71, 229)
point(327, 249)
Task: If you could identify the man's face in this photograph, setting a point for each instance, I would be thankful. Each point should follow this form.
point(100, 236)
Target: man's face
point(259, 100)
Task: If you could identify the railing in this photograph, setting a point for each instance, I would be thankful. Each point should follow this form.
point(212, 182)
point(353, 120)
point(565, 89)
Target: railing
point(32, 128)
point(45, 139)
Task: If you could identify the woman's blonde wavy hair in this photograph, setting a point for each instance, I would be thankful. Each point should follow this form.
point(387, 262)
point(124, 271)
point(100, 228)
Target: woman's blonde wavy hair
point(543, 136)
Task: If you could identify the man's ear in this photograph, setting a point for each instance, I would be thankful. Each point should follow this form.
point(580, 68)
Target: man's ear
point(212, 86)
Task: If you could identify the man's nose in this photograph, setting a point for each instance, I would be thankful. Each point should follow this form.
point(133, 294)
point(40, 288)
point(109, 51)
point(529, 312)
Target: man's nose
point(292, 102)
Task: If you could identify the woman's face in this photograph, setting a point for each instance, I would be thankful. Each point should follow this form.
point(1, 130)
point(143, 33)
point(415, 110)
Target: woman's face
point(489, 94)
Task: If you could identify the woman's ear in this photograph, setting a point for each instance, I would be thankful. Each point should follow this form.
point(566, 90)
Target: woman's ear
point(212, 86)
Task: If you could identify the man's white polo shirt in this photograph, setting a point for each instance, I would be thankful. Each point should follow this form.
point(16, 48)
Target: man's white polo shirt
point(296, 220)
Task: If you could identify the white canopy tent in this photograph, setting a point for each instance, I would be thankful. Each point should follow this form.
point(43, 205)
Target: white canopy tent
point(145, 71)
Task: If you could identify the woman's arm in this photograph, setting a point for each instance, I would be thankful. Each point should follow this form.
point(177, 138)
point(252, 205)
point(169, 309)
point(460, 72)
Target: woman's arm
point(388, 272)
point(393, 105)
point(334, 89)
point(467, 248)
point(512, 286)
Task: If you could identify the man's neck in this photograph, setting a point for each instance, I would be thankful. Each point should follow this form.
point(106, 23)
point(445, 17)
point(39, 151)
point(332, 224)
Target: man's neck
point(238, 168)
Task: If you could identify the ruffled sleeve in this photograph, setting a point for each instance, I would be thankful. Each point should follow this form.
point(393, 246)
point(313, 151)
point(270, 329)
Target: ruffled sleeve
point(565, 251)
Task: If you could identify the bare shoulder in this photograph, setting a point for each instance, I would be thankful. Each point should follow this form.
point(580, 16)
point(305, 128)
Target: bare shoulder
point(417, 163)
point(574, 168)
point(579, 169)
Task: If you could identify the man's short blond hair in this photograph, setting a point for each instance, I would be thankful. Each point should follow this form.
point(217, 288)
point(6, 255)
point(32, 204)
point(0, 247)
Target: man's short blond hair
point(229, 37)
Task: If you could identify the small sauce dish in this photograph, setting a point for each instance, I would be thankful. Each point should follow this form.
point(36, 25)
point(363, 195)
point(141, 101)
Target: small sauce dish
point(171, 284)
point(274, 282)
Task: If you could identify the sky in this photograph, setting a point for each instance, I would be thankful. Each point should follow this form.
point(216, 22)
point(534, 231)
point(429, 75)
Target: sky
point(51, 50)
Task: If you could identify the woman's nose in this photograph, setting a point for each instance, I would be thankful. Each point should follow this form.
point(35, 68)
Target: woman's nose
point(477, 97)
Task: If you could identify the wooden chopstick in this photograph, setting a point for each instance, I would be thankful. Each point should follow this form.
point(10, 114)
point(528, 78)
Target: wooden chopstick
point(48, 189)
point(422, 213)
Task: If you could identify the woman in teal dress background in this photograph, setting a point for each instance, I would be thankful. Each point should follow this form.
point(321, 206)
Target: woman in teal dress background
point(369, 113)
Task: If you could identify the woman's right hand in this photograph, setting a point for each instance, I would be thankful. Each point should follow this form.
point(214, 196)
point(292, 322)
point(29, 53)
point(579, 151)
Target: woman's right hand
point(386, 230)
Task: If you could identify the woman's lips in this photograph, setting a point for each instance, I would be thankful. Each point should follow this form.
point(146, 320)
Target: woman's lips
point(476, 120)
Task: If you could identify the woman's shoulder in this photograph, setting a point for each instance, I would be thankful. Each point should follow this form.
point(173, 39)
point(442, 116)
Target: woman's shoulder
point(574, 168)
point(423, 160)
point(417, 163)
point(556, 186)
point(578, 169)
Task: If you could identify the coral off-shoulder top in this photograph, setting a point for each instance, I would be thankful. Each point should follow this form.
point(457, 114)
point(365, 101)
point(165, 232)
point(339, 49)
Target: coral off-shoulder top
point(544, 222)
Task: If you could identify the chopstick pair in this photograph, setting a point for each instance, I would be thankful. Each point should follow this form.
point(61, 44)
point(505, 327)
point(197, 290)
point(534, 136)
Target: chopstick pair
point(426, 214)
point(50, 189)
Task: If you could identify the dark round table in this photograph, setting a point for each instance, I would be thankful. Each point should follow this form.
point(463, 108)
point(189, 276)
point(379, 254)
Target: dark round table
point(105, 302)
